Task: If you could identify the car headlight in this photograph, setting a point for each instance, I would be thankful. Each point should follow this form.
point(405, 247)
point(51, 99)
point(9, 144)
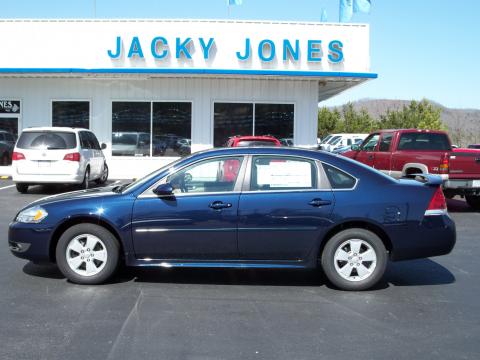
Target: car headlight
point(32, 215)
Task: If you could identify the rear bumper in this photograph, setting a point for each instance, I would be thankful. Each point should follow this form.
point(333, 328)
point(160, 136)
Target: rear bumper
point(433, 236)
point(48, 179)
point(30, 241)
point(462, 185)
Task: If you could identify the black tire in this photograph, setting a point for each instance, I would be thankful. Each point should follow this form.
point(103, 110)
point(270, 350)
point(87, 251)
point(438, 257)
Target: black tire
point(22, 188)
point(86, 180)
point(111, 246)
point(473, 201)
point(334, 243)
point(103, 179)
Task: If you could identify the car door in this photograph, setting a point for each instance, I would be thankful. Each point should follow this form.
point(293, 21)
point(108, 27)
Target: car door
point(366, 154)
point(198, 221)
point(86, 151)
point(97, 154)
point(383, 157)
point(284, 209)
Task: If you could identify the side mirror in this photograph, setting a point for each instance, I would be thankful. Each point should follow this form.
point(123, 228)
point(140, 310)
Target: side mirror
point(103, 146)
point(356, 147)
point(164, 189)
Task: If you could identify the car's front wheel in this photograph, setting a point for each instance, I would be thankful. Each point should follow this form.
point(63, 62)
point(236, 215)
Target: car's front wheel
point(87, 254)
point(354, 259)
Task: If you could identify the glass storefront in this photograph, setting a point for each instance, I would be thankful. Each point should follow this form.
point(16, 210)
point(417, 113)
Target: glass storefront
point(133, 122)
point(233, 119)
point(9, 122)
point(71, 114)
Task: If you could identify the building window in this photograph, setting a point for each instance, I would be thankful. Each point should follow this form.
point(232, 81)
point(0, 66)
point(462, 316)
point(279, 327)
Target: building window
point(231, 119)
point(132, 123)
point(71, 114)
point(172, 128)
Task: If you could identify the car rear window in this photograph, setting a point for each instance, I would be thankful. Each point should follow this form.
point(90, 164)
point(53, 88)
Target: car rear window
point(245, 143)
point(47, 140)
point(424, 141)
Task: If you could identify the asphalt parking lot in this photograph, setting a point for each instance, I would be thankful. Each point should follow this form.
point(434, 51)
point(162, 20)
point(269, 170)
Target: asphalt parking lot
point(424, 309)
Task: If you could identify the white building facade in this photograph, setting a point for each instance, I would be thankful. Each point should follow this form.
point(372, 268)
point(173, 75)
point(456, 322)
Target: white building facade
point(155, 90)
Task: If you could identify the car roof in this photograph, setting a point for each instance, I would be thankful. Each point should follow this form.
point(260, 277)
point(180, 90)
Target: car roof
point(54, 128)
point(411, 131)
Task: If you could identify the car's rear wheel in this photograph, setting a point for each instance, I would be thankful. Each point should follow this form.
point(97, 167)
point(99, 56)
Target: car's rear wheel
point(22, 188)
point(473, 201)
point(354, 259)
point(87, 254)
point(103, 179)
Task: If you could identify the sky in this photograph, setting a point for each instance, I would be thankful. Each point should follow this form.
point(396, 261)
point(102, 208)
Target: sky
point(419, 48)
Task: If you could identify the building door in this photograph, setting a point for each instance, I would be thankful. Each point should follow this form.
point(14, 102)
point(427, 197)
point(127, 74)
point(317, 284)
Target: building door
point(9, 128)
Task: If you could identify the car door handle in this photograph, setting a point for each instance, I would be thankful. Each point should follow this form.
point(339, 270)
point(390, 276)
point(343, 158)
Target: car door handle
point(219, 205)
point(319, 202)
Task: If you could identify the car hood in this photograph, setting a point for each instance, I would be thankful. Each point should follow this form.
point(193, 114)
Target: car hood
point(75, 195)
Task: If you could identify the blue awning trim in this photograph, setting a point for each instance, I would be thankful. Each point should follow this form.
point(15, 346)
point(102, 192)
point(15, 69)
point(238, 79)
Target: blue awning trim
point(188, 72)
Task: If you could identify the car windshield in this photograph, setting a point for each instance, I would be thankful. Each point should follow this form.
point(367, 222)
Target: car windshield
point(334, 138)
point(47, 140)
point(124, 139)
point(336, 141)
point(138, 182)
point(246, 143)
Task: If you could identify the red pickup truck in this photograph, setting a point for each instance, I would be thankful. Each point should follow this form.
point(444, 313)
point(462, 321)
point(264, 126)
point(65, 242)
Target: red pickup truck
point(400, 153)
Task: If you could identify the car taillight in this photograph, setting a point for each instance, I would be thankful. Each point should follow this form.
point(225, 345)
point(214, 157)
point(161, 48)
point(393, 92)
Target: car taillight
point(72, 157)
point(438, 204)
point(17, 156)
point(444, 165)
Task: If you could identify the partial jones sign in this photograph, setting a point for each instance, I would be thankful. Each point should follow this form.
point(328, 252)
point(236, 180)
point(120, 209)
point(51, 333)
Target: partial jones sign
point(9, 107)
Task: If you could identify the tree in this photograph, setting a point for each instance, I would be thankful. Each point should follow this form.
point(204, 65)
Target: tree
point(356, 122)
point(417, 115)
point(328, 121)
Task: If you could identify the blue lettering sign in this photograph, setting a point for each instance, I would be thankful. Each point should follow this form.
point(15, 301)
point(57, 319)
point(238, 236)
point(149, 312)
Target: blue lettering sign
point(247, 51)
point(261, 50)
point(118, 47)
point(135, 48)
point(182, 48)
point(336, 51)
point(289, 51)
point(156, 42)
point(206, 47)
point(314, 50)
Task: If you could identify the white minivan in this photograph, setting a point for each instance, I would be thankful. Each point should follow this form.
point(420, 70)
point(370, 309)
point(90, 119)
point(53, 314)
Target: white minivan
point(58, 155)
point(337, 141)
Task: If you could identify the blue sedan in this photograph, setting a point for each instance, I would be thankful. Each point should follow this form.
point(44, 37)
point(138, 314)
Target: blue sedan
point(278, 208)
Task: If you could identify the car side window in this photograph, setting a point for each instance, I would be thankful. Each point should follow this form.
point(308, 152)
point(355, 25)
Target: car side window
point(370, 142)
point(84, 143)
point(338, 178)
point(93, 141)
point(282, 173)
point(385, 142)
point(213, 175)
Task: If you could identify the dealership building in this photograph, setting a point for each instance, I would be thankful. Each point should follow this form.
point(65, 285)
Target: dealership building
point(154, 90)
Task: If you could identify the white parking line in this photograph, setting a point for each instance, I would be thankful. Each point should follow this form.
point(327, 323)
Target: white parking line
point(6, 187)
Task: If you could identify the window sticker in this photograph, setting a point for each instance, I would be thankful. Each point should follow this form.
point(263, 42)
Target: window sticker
point(285, 174)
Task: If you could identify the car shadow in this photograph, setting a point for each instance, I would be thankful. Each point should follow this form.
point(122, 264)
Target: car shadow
point(459, 205)
point(406, 273)
point(61, 188)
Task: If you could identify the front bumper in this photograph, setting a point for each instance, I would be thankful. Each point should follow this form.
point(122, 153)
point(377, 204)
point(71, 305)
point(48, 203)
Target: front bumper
point(30, 241)
point(433, 236)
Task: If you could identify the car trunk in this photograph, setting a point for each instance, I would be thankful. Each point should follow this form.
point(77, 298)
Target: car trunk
point(48, 162)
